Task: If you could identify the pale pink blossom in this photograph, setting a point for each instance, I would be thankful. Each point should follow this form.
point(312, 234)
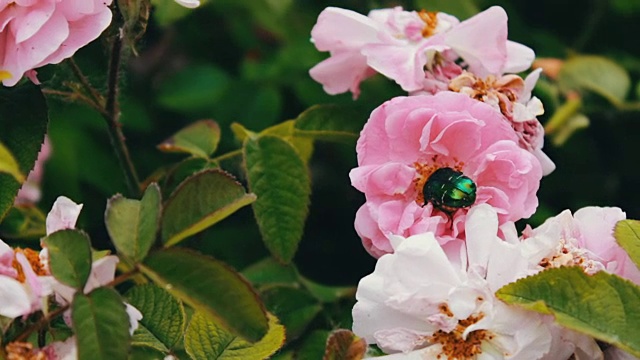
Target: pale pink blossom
point(24, 282)
point(584, 239)
point(402, 44)
point(63, 215)
point(30, 191)
point(191, 4)
point(408, 138)
point(419, 299)
point(62, 350)
point(34, 33)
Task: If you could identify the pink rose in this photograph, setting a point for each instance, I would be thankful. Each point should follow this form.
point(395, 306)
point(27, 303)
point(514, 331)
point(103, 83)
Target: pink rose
point(408, 138)
point(401, 45)
point(35, 33)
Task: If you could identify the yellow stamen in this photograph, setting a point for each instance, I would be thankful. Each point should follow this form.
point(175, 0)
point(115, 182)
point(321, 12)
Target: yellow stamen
point(4, 75)
point(33, 257)
point(431, 21)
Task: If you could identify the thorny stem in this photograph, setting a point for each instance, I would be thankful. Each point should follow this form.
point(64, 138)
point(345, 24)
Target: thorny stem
point(110, 108)
point(113, 115)
point(95, 95)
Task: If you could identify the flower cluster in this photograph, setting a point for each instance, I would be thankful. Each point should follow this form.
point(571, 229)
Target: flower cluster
point(446, 171)
point(27, 286)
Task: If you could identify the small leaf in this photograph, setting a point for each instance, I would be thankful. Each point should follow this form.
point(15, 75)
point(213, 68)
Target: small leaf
point(23, 110)
point(69, 257)
point(199, 202)
point(101, 325)
point(9, 165)
point(331, 122)
point(163, 315)
point(279, 178)
point(240, 132)
point(211, 287)
point(597, 74)
point(198, 139)
point(344, 345)
point(294, 307)
point(133, 224)
point(627, 233)
point(602, 305)
point(205, 340)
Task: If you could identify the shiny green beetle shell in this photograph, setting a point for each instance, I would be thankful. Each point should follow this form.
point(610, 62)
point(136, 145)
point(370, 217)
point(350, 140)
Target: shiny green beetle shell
point(449, 190)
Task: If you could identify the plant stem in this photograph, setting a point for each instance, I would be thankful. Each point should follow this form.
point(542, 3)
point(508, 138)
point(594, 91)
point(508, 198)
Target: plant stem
point(41, 323)
point(94, 94)
point(74, 95)
point(228, 155)
point(112, 109)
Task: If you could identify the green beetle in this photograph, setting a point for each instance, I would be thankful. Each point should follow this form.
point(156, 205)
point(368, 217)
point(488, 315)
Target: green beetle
point(449, 190)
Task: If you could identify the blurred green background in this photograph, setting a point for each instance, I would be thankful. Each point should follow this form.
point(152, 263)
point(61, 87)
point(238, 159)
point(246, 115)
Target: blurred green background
point(247, 61)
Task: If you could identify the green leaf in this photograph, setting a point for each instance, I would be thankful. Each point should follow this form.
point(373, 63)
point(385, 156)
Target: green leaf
point(69, 257)
point(268, 271)
point(278, 176)
point(179, 172)
point(597, 74)
point(163, 315)
point(9, 165)
point(23, 111)
point(199, 202)
point(205, 340)
point(294, 307)
point(143, 337)
point(286, 130)
point(198, 139)
point(146, 352)
point(195, 88)
point(331, 122)
point(344, 345)
point(602, 305)
point(211, 287)
point(24, 222)
point(101, 325)
point(627, 234)
point(133, 224)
